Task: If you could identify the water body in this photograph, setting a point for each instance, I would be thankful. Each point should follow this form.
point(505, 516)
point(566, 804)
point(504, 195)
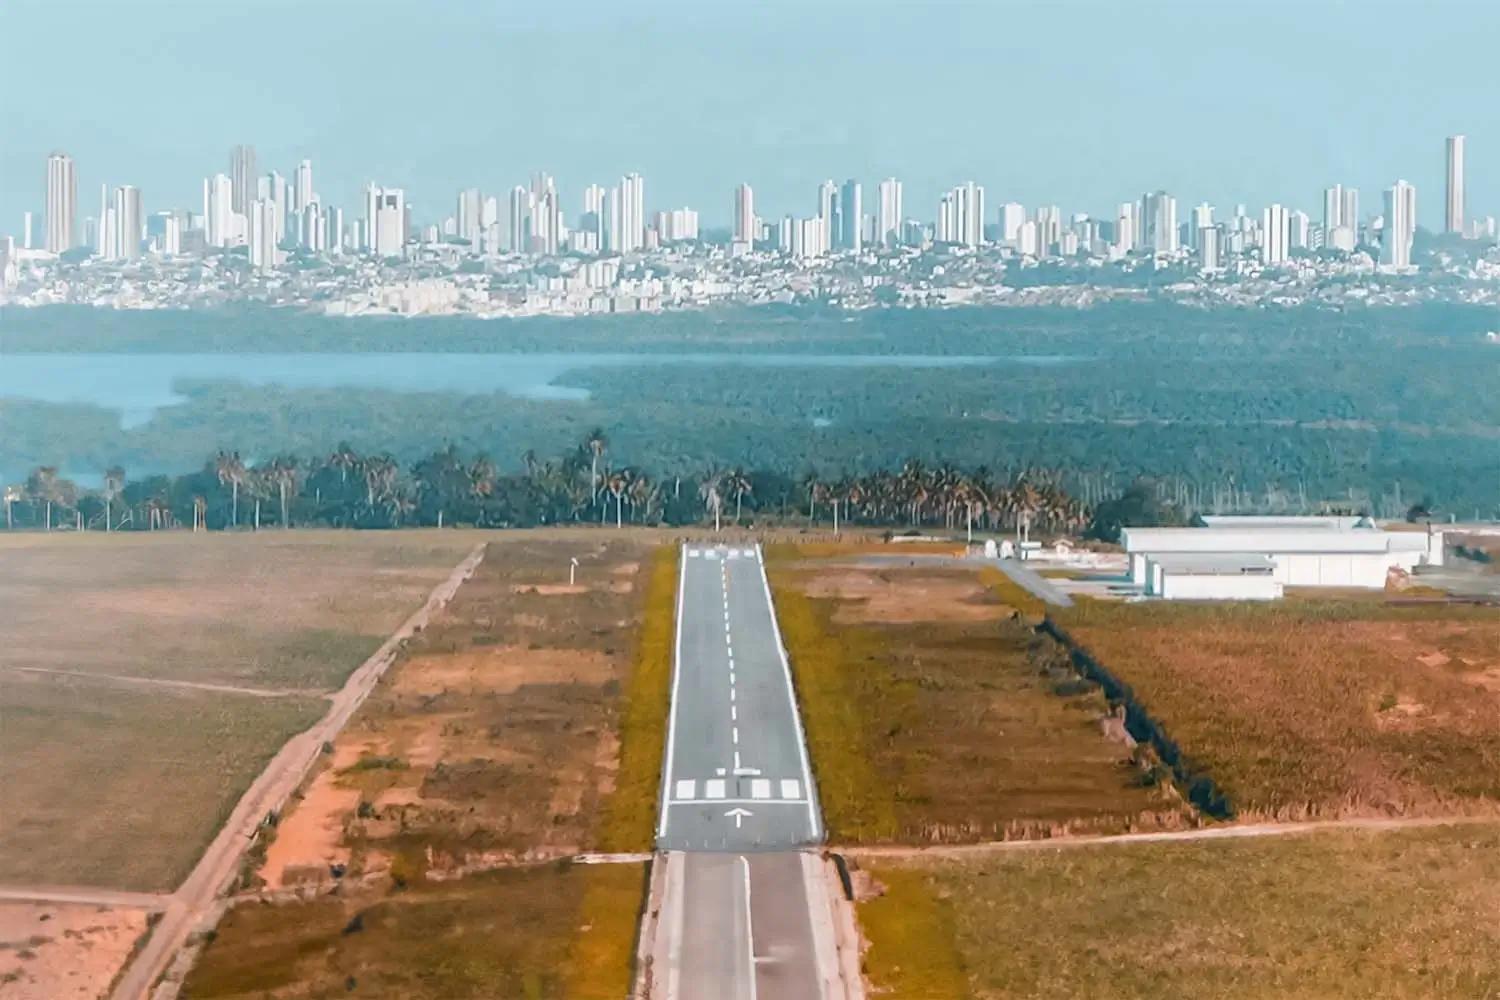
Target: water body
point(137, 385)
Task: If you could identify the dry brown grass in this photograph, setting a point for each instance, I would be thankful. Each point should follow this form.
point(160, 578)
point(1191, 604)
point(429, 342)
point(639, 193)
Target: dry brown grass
point(493, 743)
point(274, 609)
point(495, 738)
point(538, 933)
point(1388, 915)
point(124, 786)
point(1316, 707)
point(934, 716)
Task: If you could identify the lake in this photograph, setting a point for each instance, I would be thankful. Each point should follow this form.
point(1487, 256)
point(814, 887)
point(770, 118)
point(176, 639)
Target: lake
point(137, 385)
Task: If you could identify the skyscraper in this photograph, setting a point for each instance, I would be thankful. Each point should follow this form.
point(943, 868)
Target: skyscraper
point(385, 220)
point(632, 212)
point(304, 186)
point(262, 239)
point(1127, 227)
point(469, 227)
point(744, 215)
point(546, 215)
point(1158, 223)
point(1011, 217)
point(1273, 235)
point(1400, 225)
point(218, 211)
point(273, 188)
point(242, 177)
point(888, 218)
point(827, 201)
point(971, 214)
point(62, 202)
point(1333, 208)
point(520, 219)
point(592, 221)
point(1454, 217)
point(851, 206)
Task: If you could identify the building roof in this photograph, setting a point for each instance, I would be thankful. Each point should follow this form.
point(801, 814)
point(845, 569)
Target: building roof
point(1266, 522)
point(1215, 564)
point(1262, 540)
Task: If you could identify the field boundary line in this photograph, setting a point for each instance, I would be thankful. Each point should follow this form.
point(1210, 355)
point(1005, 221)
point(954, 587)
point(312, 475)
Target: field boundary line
point(1241, 831)
point(193, 907)
point(85, 896)
point(173, 683)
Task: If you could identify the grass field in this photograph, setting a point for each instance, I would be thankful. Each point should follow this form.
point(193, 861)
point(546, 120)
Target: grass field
point(934, 715)
point(526, 721)
point(1315, 707)
point(1387, 914)
point(124, 787)
point(295, 609)
point(497, 736)
point(115, 770)
point(535, 933)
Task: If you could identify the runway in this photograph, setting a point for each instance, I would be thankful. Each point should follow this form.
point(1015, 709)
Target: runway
point(745, 912)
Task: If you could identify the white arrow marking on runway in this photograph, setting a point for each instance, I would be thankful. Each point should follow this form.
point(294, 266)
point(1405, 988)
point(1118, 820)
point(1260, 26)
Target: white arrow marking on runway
point(739, 815)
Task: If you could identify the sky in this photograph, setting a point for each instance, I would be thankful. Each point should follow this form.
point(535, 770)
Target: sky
point(1077, 104)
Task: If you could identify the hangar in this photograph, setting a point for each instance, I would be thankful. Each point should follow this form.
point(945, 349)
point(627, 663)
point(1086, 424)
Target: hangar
point(1208, 577)
point(1302, 551)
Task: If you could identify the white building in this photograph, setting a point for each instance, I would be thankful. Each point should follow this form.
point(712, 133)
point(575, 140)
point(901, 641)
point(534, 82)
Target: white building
point(1011, 218)
point(469, 228)
point(218, 210)
point(129, 224)
point(1212, 577)
point(1273, 236)
point(303, 188)
point(888, 217)
point(1454, 217)
point(744, 216)
point(851, 212)
point(632, 202)
point(1303, 551)
point(263, 241)
point(385, 221)
point(62, 202)
point(1400, 225)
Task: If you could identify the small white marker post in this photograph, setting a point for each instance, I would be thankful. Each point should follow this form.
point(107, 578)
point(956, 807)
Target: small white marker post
point(572, 571)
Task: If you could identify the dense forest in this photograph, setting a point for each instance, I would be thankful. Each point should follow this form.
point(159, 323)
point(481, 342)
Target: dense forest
point(1233, 409)
point(347, 489)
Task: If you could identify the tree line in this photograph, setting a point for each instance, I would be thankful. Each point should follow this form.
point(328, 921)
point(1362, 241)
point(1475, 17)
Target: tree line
point(347, 489)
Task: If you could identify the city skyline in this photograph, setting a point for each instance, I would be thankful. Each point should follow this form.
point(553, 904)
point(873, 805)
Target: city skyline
point(720, 106)
point(267, 212)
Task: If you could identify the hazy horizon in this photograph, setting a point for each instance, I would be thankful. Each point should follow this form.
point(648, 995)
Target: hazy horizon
point(1082, 105)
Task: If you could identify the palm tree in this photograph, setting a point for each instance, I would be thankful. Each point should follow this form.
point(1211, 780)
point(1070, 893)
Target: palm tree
point(596, 443)
point(739, 484)
point(619, 482)
point(643, 495)
point(381, 472)
point(12, 494)
point(231, 471)
point(114, 485)
point(284, 472)
point(45, 485)
point(345, 459)
point(708, 490)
